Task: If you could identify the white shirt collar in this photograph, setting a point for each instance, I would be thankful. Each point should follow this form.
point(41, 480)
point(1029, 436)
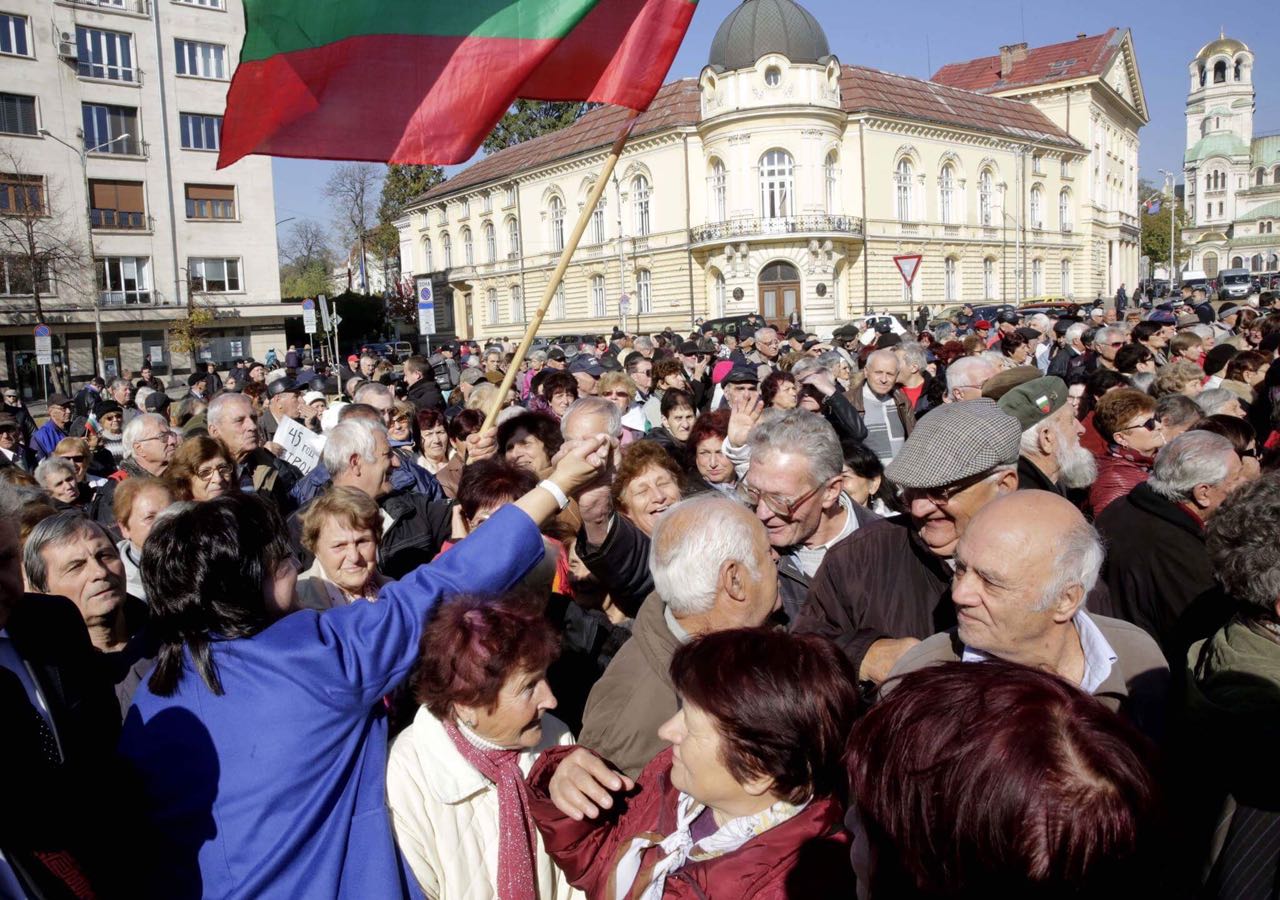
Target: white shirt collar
point(1099, 656)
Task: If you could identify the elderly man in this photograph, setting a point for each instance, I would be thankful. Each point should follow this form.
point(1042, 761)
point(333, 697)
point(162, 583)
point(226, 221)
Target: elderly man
point(765, 356)
point(1157, 568)
point(48, 435)
point(711, 572)
point(232, 421)
point(284, 401)
point(1073, 357)
point(913, 378)
point(885, 587)
point(640, 370)
point(12, 453)
point(121, 391)
point(587, 371)
point(70, 556)
point(1051, 458)
point(966, 376)
point(358, 454)
point(409, 475)
point(884, 407)
point(148, 444)
point(1107, 343)
point(1023, 569)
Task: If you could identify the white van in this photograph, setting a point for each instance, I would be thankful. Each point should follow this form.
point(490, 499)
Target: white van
point(1234, 284)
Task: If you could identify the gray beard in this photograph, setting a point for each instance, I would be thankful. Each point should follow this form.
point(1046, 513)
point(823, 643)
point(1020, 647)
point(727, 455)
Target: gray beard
point(1076, 467)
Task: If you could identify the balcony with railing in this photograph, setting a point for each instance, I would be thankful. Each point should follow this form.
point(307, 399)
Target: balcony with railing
point(787, 226)
point(133, 7)
point(119, 220)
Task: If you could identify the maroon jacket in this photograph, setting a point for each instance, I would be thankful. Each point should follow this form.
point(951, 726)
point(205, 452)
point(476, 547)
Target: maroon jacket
point(806, 856)
point(1119, 471)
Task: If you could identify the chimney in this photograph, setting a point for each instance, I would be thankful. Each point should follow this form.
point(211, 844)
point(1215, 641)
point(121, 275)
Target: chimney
point(1010, 54)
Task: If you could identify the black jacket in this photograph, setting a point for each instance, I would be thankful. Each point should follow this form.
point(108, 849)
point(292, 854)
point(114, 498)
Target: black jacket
point(425, 394)
point(675, 449)
point(1159, 574)
point(26, 424)
point(1031, 478)
point(620, 563)
point(23, 457)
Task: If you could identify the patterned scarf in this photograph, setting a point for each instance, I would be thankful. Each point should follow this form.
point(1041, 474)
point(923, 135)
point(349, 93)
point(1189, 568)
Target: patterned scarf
point(517, 843)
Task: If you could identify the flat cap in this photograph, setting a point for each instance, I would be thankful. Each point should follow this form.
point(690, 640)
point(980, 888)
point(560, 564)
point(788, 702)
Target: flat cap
point(1035, 401)
point(1187, 319)
point(746, 333)
point(157, 401)
point(8, 421)
point(59, 400)
point(280, 386)
point(847, 332)
point(741, 374)
point(955, 441)
point(472, 375)
point(1001, 383)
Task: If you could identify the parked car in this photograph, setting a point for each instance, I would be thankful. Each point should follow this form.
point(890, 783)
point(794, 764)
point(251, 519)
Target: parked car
point(725, 324)
point(1054, 309)
point(1234, 284)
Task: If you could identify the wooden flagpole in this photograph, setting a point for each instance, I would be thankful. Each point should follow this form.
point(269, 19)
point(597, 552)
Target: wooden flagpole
point(558, 275)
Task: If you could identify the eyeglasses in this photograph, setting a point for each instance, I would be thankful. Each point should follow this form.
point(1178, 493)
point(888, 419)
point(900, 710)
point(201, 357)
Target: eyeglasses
point(624, 395)
point(1116, 344)
point(1150, 425)
point(779, 506)
point(941, 496)
point(210, 473)
point(1251, 452)
point(168, 437)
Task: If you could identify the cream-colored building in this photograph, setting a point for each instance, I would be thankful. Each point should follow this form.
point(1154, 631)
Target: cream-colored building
point(140, 86)
point(1232, 176)
point(783, 182)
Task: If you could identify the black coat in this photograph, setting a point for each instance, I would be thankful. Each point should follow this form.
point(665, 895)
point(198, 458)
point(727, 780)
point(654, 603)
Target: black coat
point(1158, 572)
point(26, 424)
point(425, 394)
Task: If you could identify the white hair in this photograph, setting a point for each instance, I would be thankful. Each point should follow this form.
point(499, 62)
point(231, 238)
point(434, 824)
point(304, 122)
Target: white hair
point(1214, 400)
point(53, 465)
point(1107, 333)
point(1075, 332)
point(803, 433)
point(140, 398)
point(686, 561)
point(216, 407)
point(371, 389)
point(883, 354)
point(1078, 561)
point(964, 372)
point(913, 354)
point(133, 431)
point(764, 332)
point(1040, 322)
point(597, 406)
point(643, 343)
point(351, 437)
point(1192, 458)
point(1077, 467)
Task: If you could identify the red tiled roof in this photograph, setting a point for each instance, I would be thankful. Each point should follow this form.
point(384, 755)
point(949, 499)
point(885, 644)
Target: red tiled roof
point(1077, 58)
point(870, 90)
point(677, 103)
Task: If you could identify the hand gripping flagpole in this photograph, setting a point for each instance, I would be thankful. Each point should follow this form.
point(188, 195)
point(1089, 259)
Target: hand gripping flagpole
point(558, 275)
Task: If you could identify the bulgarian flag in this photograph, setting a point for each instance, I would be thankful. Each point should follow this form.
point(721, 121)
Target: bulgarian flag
point(424, 81)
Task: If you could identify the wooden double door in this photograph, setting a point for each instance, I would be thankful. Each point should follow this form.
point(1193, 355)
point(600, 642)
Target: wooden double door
point(779, 294)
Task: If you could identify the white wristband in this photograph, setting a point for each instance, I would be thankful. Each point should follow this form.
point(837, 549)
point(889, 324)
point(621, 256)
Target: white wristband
point(554, 490)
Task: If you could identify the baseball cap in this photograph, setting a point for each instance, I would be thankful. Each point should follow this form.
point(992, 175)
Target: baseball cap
point(956, 441)
point(59, 400)
point(586, 364)
point(311, 397)
point(1036, 400)
point(157, 402)
point(472, 375)
point(556, 353)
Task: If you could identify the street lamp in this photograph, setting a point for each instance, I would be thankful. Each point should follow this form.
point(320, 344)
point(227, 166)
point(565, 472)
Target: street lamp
point(1172, 220)
point(83, 153)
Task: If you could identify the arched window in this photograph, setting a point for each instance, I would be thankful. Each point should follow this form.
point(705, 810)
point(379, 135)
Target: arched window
point(776, 171)
point(772, 76)
point(1037, 277)
point(427, 262)
point(1255, 264)
point(829, 171)
point(640, 190)
point(1064, 285)
point(719, 294)
point(1275, 175)
point(644, 292)
point(716, 191)
point(950, 287)
point(1272, 261)
point(557, 304)
point(1238, 69)
point(902, 180)
point(1260, 177)
point(597, 223)
point(513, 239)
point(946, 196)
point(517, 303)
point(468, 250)
point(1037, 207)
point(1064, 209)
point(447, 244)
point(1202, 73)
point(556, 218)
point(1220, 72)
point(490, 241)
point(989, 279)
point(491, 297)
point(1237, 262)
point(598, 308)
point(986, 198)
point(1210, 265)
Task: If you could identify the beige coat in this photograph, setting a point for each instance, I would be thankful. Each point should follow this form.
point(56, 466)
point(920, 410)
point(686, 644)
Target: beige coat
point(445, 814)
point(314, 590)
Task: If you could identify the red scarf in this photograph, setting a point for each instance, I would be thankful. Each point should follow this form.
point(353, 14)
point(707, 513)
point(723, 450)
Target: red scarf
point(518, 840)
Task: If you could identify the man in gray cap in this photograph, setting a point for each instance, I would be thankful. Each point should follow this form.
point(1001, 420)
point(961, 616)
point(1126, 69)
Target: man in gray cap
point(1051, 458)
point(284, 402)
point(887, 586)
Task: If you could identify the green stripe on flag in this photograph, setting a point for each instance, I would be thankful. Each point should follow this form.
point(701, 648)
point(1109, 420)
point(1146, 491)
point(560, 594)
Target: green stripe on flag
point(285, 26)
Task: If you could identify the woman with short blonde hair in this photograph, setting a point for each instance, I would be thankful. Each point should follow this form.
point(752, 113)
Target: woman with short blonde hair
point(343, 528)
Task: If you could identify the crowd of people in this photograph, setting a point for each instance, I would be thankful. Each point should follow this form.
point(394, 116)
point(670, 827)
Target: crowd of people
point(975, 609)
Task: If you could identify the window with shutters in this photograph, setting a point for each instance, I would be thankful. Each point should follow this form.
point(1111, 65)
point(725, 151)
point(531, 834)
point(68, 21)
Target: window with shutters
point(124, 280)
point(104, 54)
point(117, 204)
point(214, 276)
point(14, 30)
point(200, 132)
point(22, 194)
point(211, 201)
point(111, 129)
point(18, 114)
point(198, 59)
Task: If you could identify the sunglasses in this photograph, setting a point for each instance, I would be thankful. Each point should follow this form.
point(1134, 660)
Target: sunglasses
point(1149, 425)
point(75, 459)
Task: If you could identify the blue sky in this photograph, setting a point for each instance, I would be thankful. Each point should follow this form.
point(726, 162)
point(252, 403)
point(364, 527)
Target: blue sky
point(918, 38)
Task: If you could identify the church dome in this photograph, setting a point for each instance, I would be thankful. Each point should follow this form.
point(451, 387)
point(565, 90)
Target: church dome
point(1224, 44)
point(758, 27)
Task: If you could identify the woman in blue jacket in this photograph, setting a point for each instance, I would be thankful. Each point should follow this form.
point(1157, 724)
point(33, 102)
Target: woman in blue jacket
point(260, 740)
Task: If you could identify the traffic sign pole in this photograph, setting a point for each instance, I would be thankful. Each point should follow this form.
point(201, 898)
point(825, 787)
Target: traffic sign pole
point(44, 356)
point(908, 266)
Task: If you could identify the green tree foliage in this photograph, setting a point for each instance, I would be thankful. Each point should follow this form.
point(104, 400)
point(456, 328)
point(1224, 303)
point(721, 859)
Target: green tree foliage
point(528, 119)
point(400, 185)
point(1155, 232)
point(306, 260)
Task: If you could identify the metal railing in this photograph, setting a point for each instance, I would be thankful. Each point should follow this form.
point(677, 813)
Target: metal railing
point(137, 7)
point(809, 224)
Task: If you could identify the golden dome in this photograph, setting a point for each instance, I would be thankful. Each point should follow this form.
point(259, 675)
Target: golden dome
point(1224, 44)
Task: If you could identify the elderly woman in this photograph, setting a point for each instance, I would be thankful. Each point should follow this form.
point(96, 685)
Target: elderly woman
point(647, 483)
point(780, 391)
point(136, 504)
point(455, 779)
point(404, 419)
point(341, 528)
point(1014, 347)
point(276, 718)
point(672, 435)
point(433, 441)
point(530, 440)
point(706, 442)
point(58, 478)
point(747, 802)
point(110, 452)
point(997, 780)
point(1126, 420)
point(560, 391)
point(201, 469)
point(618, 389)
point(535, 362)
point(76, 451)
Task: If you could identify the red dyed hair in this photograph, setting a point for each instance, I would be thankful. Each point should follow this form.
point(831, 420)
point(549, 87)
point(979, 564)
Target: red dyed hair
point(783, 705)
point(472, 644)
point(709, 424)
point(490, 483)
point(993, 779)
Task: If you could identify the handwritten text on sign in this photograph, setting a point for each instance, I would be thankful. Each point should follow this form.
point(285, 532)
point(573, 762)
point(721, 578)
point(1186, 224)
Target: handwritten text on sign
point(301, 445)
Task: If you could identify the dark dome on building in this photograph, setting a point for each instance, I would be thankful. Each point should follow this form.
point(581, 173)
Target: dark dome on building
point(758, 27)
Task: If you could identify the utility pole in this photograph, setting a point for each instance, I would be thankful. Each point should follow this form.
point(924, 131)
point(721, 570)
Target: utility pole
point(622, 253)
point(1173, 219)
